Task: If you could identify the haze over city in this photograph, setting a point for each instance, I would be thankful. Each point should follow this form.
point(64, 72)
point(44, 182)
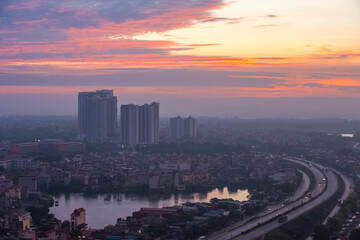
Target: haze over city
point(206, 58)
point(180, 119)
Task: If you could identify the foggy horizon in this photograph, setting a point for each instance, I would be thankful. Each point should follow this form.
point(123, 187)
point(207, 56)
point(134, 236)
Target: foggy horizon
point(266, 145)
point(296, 108)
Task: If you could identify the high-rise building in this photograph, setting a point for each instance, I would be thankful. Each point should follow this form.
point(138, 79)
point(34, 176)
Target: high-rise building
point(183, 127)
point(139, 124)
point(190, 127)
point(97, 115)
point(176, 127)
point(129, 123)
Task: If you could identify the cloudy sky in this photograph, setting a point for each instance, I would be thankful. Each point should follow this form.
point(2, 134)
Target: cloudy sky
point(247, 58)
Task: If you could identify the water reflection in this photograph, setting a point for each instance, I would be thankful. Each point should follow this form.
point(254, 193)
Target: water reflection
point(349, 135)
point(104, 209)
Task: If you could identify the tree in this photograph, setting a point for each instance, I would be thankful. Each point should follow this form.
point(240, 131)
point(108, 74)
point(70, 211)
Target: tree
point(320, 233)
point(65, 224)
point(276, 235)
point(334, 224)
point(76, 232)
point(355, 234)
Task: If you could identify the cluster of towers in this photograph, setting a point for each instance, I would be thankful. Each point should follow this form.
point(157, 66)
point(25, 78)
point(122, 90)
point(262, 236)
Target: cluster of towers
point(183, 127)
point(139, 124)
point(97, 119)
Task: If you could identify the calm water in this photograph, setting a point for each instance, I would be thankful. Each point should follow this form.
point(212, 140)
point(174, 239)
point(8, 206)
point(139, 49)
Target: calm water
point(102, 210)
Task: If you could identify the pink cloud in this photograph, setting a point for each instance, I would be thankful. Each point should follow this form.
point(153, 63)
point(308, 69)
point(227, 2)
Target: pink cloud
point(25, 5)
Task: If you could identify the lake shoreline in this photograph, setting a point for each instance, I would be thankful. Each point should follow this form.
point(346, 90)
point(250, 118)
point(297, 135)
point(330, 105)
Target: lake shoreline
point(113, 206)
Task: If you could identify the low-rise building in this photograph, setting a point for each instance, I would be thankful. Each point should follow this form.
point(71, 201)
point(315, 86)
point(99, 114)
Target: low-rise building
point(77, 219)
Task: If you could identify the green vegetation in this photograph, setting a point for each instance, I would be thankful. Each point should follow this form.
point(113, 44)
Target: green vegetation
point(40, 217)
point(101, 147)
point(157, 230)
point(320, 233)
point(259, 190)
point(25, 134)
point(65, 224)
point(307, 171)
point(60, 187)
point(355, 234)
point(192, 148)
point(76, 233)
point(48, 157)
point(349, 205)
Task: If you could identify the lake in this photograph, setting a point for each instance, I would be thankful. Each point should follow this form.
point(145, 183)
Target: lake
point(104, 209)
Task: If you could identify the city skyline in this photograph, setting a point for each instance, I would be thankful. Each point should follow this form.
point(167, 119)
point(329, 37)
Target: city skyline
point(249, 56)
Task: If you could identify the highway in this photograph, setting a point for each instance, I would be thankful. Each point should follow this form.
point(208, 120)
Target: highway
point(348, 189)
point(348, 182)
point(302, 189)
point(332, 181)
point(323, 195)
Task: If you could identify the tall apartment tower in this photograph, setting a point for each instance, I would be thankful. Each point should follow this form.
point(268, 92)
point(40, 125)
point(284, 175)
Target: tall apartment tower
point(183, 127)
point(97, 115)
point(176, 127)
point(129, 124)
point(140, 124)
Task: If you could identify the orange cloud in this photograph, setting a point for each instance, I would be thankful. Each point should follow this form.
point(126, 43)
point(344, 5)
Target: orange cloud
point(110, 45)
point(340, 82)
point(194, 91)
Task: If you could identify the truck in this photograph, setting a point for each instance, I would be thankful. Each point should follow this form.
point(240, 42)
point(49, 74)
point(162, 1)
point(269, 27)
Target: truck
point(282, 218)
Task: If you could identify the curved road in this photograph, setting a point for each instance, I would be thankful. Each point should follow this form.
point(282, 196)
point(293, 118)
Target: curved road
point(322, 196)
point(236, 232)
point(302, 189)
point(348, 189)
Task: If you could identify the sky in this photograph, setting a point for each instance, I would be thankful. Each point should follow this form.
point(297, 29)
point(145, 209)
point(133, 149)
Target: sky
point(246, 58)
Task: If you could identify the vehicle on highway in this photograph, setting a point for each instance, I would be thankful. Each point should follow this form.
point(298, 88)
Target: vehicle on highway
point(308, 195)
point(282, 218)
point(286, 202)
point(339, 202)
